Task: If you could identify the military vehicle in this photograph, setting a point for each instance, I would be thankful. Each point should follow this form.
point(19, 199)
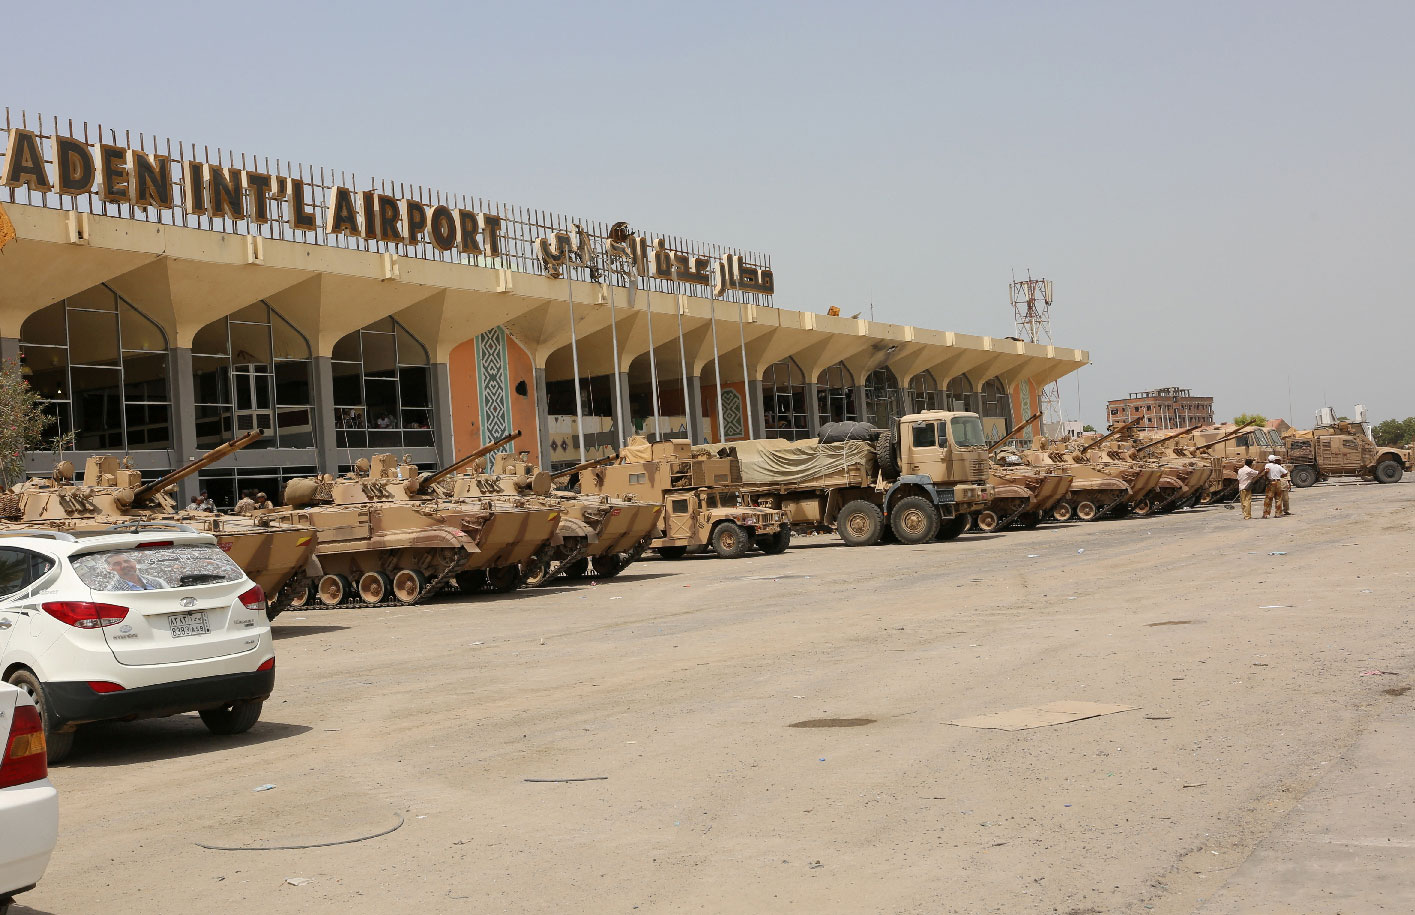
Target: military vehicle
point(1201, 475)
point(1021, 492)
point(278, 556)
point(1342, 449)
point(922, 476)
point(597, 533)
point(702, 503)
point(387, 534)
point(1232, 447)
point(1099, 486)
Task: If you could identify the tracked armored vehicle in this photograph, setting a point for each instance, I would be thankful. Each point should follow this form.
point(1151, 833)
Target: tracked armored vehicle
point(1099, 486)
point(597, 533)
point(1200, 475)
point(1021, 493)
point(387, 534)
point(277, 554)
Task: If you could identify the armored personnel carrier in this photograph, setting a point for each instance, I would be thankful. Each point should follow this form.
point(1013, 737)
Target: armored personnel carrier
point(1343, 448)
point(1200, 475)
point(597, 532)
point(277, 554)
point(1099, 486)
point(386, 533)
point(1021, 493)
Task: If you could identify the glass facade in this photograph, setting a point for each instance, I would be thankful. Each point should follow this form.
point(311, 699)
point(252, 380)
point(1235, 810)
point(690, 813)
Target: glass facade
point(252, 370)
point(959, 394)
point(101, 365)
point(784, 401)
point(382, 388)
point(226, 484)
point(882, 397)
point(924, 393)
point(835, 395)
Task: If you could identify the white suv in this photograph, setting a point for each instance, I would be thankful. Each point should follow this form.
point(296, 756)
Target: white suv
point(29, 805)
point(137, 621)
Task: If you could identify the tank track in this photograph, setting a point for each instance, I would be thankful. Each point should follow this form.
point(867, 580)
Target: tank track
point(434, 585)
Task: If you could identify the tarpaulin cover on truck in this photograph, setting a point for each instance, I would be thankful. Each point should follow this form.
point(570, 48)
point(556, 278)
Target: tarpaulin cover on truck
point(783, 461)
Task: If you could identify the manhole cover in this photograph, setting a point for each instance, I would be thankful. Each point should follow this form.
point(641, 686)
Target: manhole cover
point(832, 723)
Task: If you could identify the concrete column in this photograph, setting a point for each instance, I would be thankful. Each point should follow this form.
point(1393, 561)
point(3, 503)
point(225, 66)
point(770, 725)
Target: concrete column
point(182, 390)
point(542, 419)
point(860, 403)
point(693, 404)
point(443, 438)
point(623, 413)
point(754, 391)
point(813, 415)
point(326, 447)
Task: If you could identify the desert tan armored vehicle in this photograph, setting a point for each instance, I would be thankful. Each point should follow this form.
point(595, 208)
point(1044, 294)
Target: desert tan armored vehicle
point(1201, 474)
point(1342, 449)
point(277, 555)
point(701, 498)
point(1021, 492)
point(922, 476)
point(597, 532)
point(1232, 447)
point(385, 532)
point(1100, 485)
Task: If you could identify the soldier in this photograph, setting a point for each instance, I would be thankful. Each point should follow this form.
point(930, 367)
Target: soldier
point(246, 505)
point(1246, 475)
point(1275, 473)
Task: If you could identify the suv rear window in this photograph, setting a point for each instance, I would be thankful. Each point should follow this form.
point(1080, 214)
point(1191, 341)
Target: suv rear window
point(156, 568)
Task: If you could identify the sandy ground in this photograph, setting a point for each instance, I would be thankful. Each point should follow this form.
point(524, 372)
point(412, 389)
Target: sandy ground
point(677, 683)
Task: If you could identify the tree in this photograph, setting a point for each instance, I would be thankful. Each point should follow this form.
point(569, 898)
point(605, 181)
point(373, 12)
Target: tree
point(1088, 428)
point(1256, 419)
point(22, 423)
point(1391, 433)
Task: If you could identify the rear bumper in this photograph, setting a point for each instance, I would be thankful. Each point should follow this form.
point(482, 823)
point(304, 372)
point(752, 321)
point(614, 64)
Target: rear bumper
point(75, 703)
point(29, 822)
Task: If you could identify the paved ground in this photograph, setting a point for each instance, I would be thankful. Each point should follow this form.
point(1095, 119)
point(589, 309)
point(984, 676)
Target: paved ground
point(1260, 770)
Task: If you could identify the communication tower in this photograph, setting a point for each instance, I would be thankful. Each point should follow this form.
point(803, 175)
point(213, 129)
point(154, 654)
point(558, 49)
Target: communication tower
point(1031, 309)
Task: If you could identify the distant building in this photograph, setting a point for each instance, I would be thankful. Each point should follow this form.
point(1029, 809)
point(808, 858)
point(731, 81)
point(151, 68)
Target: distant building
point(1162, 408)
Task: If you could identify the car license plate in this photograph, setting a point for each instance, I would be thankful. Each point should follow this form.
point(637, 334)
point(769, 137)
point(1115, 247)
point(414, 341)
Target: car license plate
point(188, 624)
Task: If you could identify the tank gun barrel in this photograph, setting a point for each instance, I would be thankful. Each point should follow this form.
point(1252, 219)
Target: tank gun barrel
point(1168, 438)
point(587, 465)
point(1023, 425)
point(1111, 434)
point(1221, 439)
point(427, 481)
point(149, 490)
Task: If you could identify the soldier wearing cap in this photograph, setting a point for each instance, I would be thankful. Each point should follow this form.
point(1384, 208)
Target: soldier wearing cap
point(1273, 498)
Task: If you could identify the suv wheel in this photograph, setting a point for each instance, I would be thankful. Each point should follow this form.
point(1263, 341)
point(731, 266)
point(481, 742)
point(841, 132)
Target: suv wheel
point(772, 544)
point(1389, 472)
point(1304, 475)
point(236, 718)
point(730, 540)
point(953, 527)
point(60, 744)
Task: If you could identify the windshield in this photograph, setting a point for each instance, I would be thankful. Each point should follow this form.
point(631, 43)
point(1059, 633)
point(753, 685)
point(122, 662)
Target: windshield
point(156, 568)
point(967, 432)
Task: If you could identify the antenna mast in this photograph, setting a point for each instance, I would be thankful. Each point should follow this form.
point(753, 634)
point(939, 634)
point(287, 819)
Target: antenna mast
point(1031, 310)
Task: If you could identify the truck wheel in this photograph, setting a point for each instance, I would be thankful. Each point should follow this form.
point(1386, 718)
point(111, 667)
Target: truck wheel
point(1086, 511)
point(374, 587)
point(577, 569)
point(1304, 475)
point(952, 528)
point(59, 744)
point(887, 455)
point(236, 718)
point(408, 586)
point(535, 571)
point(772, 544)
point(672, 552)
point(504, 579)
point(609, 564)
point(1389, 472)
point(914, 520)
point(1143, 508)
point(730, 541)
point(1062, 511)
point(860, 523)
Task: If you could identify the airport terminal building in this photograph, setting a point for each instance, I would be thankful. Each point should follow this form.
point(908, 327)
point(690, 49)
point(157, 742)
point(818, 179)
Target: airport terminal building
point(165, 297)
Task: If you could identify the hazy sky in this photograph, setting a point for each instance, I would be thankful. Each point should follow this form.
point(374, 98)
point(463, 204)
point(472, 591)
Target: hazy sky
point(1221, 192)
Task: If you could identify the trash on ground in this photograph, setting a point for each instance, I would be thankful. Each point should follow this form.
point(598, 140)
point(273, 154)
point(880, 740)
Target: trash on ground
point(1377, 673)
point(1040, 716)
point(1279, 553)
point(297, 881)
point(587, 778)
point(1275, 607)
point(264, 788)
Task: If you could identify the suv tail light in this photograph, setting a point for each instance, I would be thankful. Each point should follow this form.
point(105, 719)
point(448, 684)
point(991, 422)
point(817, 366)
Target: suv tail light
point(254, 599)
point(85, 614)
point(26, 759)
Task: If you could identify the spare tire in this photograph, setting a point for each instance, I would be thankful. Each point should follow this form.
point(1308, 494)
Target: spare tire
point(887, 455)
point(832, 433)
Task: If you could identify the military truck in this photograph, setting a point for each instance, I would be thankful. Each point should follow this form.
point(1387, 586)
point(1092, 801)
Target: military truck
point(702, 502)
point(1342, 449)
point(922, 477)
